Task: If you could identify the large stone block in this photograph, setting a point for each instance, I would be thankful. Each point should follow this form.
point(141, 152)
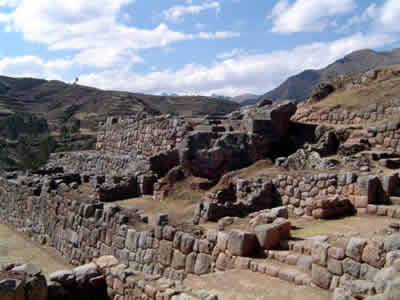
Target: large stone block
point(369, 186)
point(374, 255)
point(190, 262)
point(131, 241)
point(268, 236)
point(178, 260)
point(84, 273)
point(203, 264)
point(222, 240)
point(187, 242)
point(165, 253)
point(355, 248)
point(241, 243)
point(335, 267)
point(72, 237)
point(319, 253)
point(321, 277)
point(351, 267)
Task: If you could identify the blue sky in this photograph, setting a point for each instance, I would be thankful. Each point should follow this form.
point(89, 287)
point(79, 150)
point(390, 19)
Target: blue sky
point(225, 47)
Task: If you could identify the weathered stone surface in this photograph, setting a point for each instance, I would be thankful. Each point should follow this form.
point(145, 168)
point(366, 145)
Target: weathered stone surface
point(178, 260)
point(373, 255)
point(321, 277)
point(355, 248)
point(392, 243)
point(351, 267)
point(187, 242)
point(165, 253)
point(203, 264)
point(335, 267)
point(341, 294)
point(84, 273)
point(304, 263)
point(268, 236)
point(361, 287)
point(241, 243)
point(106, 262)
point(320, 253)
point(190, 262)
point(222, 240)
point(63, 277)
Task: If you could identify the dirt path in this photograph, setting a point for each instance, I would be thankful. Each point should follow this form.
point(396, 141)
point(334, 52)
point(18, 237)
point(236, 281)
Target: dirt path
point(14, 248)
point(247, 285)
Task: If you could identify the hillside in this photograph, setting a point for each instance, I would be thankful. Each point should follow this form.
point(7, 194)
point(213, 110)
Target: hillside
point(299, 86)
point(60, 102)
point(246, 99)
point(71, 114)
point(357, 91)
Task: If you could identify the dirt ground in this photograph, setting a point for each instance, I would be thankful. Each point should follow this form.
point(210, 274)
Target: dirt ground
point(340, 230)
point(247, 285)
point(15, 248)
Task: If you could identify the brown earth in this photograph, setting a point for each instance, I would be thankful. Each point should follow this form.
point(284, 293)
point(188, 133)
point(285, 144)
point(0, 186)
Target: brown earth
point(247, 285)
point(17, 249)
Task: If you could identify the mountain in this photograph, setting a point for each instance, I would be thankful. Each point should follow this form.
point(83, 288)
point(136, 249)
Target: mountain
point(246, 99)
point(299, 86)
point(59, 102)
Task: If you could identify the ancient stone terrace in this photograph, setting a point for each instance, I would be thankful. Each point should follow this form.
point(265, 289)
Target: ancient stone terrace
point(243, 223)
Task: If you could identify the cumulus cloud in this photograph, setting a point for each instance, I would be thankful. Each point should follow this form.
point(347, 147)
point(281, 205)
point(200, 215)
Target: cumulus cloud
point(389, 16)
point(367, 15)
point(307, 15)
point(177, 13)
point(92, 29)
point(384, 18)
point(29, 66)
point(255, 73)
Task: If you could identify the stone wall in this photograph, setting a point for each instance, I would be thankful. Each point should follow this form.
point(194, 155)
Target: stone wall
point(386, 135)
point(86, 162)
point(141, 139)
point(80, 231)
point(335, 114)
point(330, 266)
point(103, 279)
point(324, 195)
point(314, 195)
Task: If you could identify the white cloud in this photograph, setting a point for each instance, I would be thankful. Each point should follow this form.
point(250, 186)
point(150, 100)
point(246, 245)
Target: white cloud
point(369, 13)
point(389, 16)
point(177, 13)
point(307, 15)
point(92, 29)
point(229, 54)
point(29, 66)
point(243, 74)
point(384, 18)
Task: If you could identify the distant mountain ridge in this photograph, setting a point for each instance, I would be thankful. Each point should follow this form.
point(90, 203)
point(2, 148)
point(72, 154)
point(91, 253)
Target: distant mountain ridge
point(245, 98)
point(298, 87)
point(59, 102)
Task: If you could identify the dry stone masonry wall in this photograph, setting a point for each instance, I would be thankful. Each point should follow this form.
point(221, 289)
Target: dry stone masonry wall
point(335, 114)
point(322, 196)
point(141, 139)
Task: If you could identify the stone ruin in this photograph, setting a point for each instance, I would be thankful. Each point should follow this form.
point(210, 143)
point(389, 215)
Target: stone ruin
point(68, 205)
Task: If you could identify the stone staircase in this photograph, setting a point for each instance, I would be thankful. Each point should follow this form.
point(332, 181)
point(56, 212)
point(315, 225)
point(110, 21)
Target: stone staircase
point(293, 265)
point(282, 270)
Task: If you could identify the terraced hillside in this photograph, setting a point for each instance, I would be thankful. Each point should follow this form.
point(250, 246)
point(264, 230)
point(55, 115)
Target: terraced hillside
point(59, 102)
